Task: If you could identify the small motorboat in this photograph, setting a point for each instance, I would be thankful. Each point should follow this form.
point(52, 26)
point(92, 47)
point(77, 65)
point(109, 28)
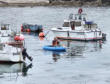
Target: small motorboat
point(54, 48)
point(5, 30)
point(31, 28)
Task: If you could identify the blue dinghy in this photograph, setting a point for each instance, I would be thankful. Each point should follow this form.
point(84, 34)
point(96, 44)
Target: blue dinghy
point(54, 48)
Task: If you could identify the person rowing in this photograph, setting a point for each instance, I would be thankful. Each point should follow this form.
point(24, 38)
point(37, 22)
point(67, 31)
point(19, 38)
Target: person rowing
point(55, 42)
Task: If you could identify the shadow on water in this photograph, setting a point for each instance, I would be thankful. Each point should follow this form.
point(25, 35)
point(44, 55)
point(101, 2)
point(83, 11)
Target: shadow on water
point(75, 48)
point(17, 68)
point(56, 56)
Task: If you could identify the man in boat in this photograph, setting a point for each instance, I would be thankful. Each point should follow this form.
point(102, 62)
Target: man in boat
point(55, 42)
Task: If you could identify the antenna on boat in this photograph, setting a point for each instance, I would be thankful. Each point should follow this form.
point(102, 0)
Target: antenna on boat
point(71, 16)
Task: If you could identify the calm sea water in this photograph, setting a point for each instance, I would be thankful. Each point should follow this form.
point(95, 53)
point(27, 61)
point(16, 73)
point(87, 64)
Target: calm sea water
point(83, 63)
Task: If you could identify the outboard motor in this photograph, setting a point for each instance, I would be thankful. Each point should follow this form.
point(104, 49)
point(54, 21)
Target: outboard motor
point(104, 36)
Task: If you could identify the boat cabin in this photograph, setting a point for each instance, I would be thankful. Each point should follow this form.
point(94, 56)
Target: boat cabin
point(5, 30)
point(90, 25)
point(4, 27)
point(80, 17)
point(72, 24)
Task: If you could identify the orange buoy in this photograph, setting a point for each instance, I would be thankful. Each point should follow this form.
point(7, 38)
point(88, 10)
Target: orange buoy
point(28, 30)
point(19, 38)
point(16, 38)
point(41, 34)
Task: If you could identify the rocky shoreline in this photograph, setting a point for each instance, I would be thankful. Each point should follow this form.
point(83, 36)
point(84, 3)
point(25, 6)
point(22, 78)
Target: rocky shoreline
point(54, 3)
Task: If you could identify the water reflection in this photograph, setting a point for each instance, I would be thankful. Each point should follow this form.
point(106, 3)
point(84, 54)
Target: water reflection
point(75, 48)
point(17, 68)
point(25, 69)
point(56, 56)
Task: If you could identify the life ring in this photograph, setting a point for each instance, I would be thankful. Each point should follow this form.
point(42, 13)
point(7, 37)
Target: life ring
point(80, 11)
point(54, 48)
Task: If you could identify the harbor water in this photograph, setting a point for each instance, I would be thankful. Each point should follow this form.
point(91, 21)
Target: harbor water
point(82, 63)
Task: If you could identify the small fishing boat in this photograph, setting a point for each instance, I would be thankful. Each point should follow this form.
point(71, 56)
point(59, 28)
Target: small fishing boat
point(9, 36)
point(5, 30)
point(78, 28)
point(54, 48)
point(31, 28)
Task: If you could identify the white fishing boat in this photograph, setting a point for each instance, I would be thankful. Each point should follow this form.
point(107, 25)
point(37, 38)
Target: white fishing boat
point(5, 30)
point(10, 54)
point(5, 33)
point(8, 36)
point(78, 28)
point(11, 44)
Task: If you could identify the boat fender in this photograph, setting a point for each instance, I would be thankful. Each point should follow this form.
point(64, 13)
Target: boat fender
point(19, 38)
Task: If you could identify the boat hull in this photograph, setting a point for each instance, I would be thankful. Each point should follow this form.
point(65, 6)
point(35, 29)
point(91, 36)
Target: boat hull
point(10, 58)
point(78, 35)
point(10, 54)
point(54, 48)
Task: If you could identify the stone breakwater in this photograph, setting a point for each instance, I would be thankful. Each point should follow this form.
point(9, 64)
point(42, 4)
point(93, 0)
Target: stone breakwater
point(23, 2)
point(54, 2)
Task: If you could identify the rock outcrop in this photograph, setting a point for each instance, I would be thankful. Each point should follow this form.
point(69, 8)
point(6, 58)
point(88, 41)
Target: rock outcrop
point(81, 2)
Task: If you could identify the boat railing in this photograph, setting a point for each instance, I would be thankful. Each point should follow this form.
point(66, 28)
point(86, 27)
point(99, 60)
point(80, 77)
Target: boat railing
point(81, 16)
